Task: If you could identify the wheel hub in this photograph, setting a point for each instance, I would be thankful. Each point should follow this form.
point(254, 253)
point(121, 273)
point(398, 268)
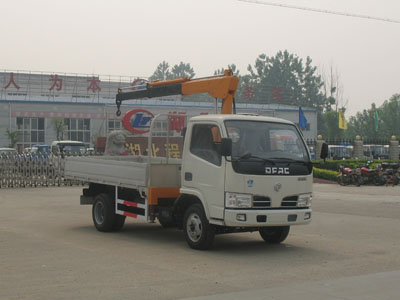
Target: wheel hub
point(194, 227)
point(99, 213)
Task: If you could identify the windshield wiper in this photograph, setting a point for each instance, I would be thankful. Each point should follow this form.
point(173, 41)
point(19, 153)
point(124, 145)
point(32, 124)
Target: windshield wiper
point(290, 160)
point(248, 155)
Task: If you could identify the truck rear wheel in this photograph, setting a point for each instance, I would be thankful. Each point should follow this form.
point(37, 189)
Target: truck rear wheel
point(198, 232)
point(104, 217)
point(274, 235)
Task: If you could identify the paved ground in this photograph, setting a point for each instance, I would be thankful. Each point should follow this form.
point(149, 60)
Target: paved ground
point(49, 249)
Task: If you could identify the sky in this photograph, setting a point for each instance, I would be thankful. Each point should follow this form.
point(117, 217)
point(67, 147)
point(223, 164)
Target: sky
point(130, 37)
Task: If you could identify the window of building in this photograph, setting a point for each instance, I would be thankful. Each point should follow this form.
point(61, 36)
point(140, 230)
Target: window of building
point(30, 131)
point(161, 128)
point(78, 130)
point(114, 124)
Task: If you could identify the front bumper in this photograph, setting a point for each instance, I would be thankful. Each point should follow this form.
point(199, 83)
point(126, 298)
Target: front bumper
point(263, 218)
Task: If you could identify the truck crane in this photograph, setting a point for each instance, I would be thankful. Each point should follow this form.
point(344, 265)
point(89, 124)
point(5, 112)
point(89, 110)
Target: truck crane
point(238, 173)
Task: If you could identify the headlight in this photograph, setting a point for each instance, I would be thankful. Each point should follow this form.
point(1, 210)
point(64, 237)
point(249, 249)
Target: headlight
point(304, 200)
point(233, 200)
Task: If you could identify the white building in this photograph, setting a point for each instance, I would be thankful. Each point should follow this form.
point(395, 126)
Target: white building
point(31, 101)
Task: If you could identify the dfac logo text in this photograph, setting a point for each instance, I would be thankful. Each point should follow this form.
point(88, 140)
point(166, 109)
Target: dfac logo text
point(137, 120)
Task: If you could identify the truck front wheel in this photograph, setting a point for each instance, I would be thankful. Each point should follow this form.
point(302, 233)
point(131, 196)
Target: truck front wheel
point(274, 235)
point(104, 217)
point(199, 233)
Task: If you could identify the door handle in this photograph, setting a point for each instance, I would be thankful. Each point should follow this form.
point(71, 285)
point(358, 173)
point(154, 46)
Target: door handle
point(188, 176)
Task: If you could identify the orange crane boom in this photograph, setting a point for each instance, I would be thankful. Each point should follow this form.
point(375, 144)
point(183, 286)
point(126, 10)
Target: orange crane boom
point(223, 87)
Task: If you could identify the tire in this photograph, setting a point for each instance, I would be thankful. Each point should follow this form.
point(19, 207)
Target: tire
point(104, 217)
point(379, 180)
point(342, 180)
point(198, 232)
point(119, 222)
point(274, 235)
point(357, 180)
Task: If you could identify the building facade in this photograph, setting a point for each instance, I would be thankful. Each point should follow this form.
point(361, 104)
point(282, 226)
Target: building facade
point(34, 104)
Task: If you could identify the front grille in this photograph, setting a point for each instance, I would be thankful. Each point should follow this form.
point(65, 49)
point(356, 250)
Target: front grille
point(261, 202)
point(290, 201)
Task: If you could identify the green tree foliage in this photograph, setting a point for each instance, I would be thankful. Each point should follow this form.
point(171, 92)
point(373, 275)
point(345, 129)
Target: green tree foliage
point(13, 136)
point(232, 67)
point(389, 117)
point(59, 127)
point(363, 123)
point(162, 72)
point(182, 70)
point(286, 79)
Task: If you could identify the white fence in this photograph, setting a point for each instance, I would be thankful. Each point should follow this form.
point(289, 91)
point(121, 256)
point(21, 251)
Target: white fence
point(32, 170)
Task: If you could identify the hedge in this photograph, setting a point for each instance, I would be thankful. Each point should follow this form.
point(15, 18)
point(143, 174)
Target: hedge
point(325, 174)
point(333, 165)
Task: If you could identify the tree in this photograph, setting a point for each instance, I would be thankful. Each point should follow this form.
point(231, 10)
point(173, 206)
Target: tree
point(364, 123)
point(13, 136)
point(285, 79)
point(182, 70)
point(333, 89)
point(162, 72)
point(59, 127)
point(230, 67)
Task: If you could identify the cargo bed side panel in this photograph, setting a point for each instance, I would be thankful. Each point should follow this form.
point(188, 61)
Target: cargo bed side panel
point(106, 171)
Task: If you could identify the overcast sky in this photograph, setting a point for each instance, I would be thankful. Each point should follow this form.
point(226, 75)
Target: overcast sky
point(132, 37)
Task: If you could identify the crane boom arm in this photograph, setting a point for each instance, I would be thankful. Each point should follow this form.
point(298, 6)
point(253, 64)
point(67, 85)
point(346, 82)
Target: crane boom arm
point(223, 87)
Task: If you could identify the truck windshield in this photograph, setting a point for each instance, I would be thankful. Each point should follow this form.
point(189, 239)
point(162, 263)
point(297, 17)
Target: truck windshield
point(266, 140)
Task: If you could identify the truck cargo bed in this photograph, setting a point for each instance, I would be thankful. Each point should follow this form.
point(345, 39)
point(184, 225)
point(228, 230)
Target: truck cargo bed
point(125, 171)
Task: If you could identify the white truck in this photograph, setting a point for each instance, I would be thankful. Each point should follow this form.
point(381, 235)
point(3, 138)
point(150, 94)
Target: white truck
point(238, 173)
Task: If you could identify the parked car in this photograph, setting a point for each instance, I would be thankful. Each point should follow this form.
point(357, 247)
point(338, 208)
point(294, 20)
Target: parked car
point(8, 151)
point(376, 151)
point(40, 149)
point(68, 147)
point(337, 152)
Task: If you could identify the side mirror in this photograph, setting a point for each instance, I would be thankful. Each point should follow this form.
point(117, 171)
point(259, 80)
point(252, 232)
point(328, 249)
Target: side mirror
point(183, 132)
point(226, 147)
point(324, 151)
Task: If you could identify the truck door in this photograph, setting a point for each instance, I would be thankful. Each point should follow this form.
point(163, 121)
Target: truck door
point(203, 169)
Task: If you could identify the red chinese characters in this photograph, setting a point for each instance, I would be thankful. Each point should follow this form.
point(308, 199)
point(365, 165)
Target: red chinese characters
point(176, 121)
point(248, 92)
point(93, 86)
point(57, 83)
point(12, 82)
point(277, 94)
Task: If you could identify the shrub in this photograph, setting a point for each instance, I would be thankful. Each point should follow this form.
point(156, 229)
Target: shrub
point(333, 165)
point(325, 174)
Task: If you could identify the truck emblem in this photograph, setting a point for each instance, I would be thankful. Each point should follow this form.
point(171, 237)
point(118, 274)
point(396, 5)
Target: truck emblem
point(276, 171)
point(137, 120)
point(277, 187)
point(250, 183)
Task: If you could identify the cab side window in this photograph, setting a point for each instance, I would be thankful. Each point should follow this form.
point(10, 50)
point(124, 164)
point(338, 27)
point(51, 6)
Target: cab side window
point(206, 143)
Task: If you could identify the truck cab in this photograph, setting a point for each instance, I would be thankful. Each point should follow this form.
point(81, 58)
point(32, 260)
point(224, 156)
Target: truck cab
point(265, 181)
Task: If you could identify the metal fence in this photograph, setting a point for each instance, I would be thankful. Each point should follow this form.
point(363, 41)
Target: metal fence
point(33, 170)
point(348, 142)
